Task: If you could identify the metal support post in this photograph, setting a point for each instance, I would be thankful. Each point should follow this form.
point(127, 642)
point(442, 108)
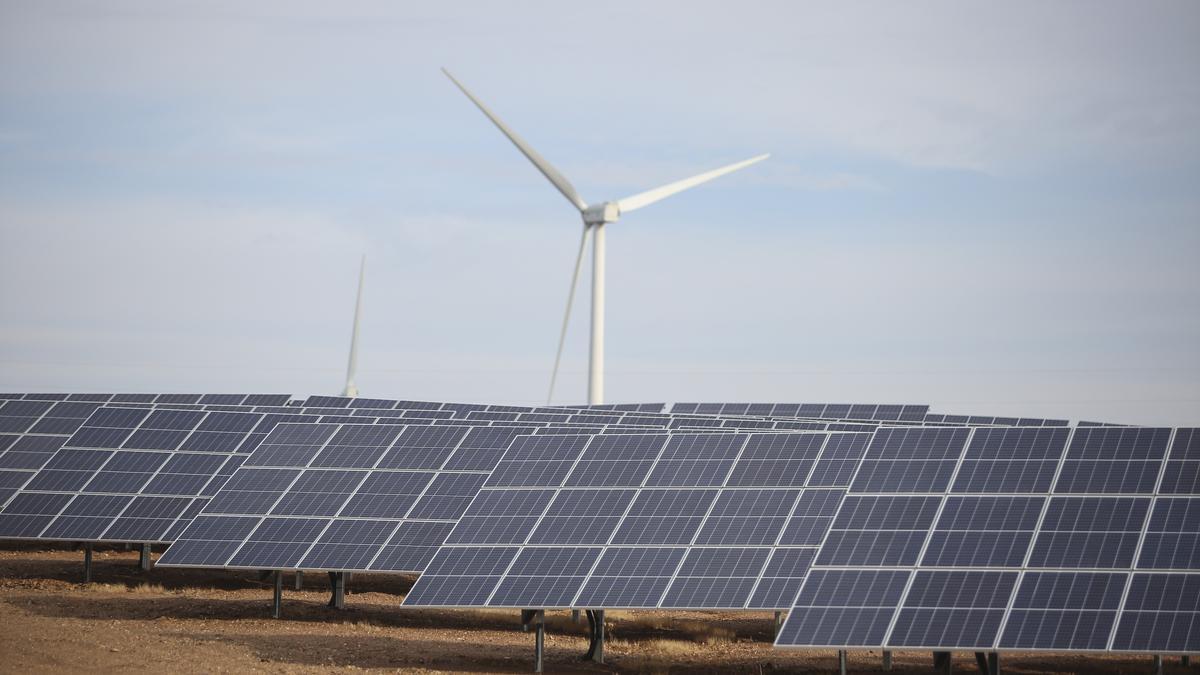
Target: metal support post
point(144, 563)
point(887, 660)
point(539, 640)
point(1158, 668)
point(337, 584)
point(87, 563)
point(1185, 661)
point(982, 660)
point(598, 637)
point(574, 616)
point(942, 662)
point(778, 623)
point(277, 601)
point(994, 663)
point(299, 580)
point(841, 662)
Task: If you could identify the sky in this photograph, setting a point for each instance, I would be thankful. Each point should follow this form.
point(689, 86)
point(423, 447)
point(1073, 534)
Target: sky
point(991, 208)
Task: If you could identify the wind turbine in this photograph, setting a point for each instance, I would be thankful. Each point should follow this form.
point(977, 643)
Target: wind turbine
point(595, 217)
point(351, 389)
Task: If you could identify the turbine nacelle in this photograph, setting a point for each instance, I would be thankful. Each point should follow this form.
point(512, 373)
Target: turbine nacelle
point(599, 214)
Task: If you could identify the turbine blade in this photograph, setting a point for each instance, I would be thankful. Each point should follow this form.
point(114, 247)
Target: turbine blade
point(562, 335)
point(650, 196)
point(351, 389)
point(552, 174)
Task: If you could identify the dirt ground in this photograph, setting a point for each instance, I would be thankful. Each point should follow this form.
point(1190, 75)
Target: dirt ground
point(191, 621)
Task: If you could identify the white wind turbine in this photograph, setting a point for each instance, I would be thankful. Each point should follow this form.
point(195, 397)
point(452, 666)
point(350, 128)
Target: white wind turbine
point(595, 216)
point(351, 389)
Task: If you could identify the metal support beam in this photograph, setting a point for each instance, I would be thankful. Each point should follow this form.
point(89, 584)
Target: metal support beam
point(574, 616)
point(778, 623)
point(994, 663)
point(337, 586)
point(1185, 661)
point(887, 660)
point(539, 640)
point(277, 601)
point(942, 662)
point(144, 562)
point(87, 563)
point(595, 650)
point(841, 662)
point(1158, 667)
point(299, 580)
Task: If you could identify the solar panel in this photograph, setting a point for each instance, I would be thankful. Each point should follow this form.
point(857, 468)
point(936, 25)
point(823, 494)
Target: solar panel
point(1035, 539)
point(700, 521)
point(348, 497)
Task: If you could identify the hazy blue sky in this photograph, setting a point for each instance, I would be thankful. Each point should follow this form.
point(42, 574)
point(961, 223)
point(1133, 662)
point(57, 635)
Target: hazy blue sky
point(989, 207)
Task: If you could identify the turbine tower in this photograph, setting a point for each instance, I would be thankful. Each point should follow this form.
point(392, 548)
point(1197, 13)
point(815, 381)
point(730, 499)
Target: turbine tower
point(595, 217)
point(351, 389)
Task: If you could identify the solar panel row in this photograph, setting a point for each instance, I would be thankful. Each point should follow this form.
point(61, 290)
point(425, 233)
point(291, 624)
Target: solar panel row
point(1011, 539)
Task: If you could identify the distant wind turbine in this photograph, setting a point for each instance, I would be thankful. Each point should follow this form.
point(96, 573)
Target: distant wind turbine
point(351, 389)
point(595, 216)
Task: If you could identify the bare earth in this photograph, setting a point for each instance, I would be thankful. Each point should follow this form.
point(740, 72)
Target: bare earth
point(184, 621)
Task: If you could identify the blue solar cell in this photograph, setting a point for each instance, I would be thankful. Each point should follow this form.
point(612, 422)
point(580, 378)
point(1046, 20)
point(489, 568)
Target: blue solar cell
point(536, 591)
point(476, 561)
point(704, 447)
point(775, 593)
point(1107, 476)
point(542, 473)
point(617, 591)
point(136, 461)
point(1057, 629)
point(79, 460)
point(452, 591)
point(511, 502)
point(117, 482)
point(853, 588)
point(546, 448)
point(704, 593)
point(871, 548)
point(690, 472)
point(969, 629)
point(724, 562)
point(1117, 443)
point(625, 473)
point(59, 481)
point(269, 554)
point(1005, 476)
point(15, 525)
point(903, 476)
point(42, 444)
point(180, 420)
point(230, 422)
point(976, 549)
point(885, 513)
point(633, 447)
point(56, 425)
point(1018, 444)
point(492, 530)
point(77, 527)
point(915, 443)
point(990, 513)
point(212, 441)
point(193, 464)
point(673, 502)
point(567, 562)
point(836, 626)
point(779, 472)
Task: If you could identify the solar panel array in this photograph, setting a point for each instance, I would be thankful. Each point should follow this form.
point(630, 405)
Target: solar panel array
point(349, 497)
point(1080, 539)
point(699, 520)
